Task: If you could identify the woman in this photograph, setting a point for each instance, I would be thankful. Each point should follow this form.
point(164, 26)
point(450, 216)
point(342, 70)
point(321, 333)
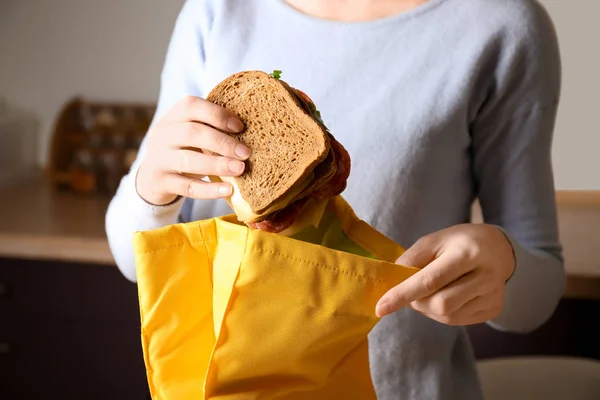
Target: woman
point(438, 102)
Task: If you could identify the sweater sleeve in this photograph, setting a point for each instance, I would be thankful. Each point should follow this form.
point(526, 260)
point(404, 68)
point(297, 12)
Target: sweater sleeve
point(127, 211)
point(512, 154)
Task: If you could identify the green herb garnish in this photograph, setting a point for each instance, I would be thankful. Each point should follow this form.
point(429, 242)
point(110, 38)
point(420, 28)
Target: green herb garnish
point(317, 115)
point(276, 74)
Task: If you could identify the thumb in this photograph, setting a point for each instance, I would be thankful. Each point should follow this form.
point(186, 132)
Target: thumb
point(420, 254)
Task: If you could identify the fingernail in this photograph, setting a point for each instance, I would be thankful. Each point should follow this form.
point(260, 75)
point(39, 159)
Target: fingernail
point(225, 190)
point(236, 167)
point(242, 151)
point(234, 125)
point(381, 308)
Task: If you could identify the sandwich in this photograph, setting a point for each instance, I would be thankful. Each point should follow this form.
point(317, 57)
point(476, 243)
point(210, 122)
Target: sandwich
point(296, 162)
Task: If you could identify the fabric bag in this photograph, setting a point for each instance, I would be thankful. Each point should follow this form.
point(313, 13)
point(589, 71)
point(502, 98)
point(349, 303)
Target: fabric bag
point(228, 312)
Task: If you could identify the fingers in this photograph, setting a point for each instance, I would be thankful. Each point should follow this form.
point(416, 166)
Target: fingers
point(194, 188)
point(433, 277)
point(454, 296)
point(204, 137)
point(197, 109)
point(478, 310)
point(188, 141)
point(194, 162)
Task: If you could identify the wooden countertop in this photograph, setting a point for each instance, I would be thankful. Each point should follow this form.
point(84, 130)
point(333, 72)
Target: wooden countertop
point(38, 223)
point(579, 225)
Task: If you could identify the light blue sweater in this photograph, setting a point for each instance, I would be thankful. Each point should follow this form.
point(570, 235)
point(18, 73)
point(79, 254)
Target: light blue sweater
point(437, 106)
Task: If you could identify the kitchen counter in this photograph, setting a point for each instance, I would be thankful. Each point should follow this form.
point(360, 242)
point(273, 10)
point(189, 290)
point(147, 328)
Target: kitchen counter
point(39, 223)
point(579, 224)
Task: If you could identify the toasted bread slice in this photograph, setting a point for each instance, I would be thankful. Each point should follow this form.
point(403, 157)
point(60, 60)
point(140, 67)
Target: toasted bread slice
point(287, 143)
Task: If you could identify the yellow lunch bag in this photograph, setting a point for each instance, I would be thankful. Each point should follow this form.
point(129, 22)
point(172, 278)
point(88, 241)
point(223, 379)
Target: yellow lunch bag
point(229, 312)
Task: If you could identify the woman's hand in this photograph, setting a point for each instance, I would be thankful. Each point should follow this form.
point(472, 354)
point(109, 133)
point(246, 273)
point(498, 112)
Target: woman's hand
point(464, 272)
point(174, 164)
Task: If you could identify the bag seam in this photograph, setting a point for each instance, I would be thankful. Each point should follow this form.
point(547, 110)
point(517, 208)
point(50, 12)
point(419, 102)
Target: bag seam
point(321, 265)
point(180, 244)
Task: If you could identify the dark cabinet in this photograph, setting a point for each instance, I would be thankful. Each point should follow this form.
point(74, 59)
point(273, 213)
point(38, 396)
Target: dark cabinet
point(68, 331)
point(572, 331)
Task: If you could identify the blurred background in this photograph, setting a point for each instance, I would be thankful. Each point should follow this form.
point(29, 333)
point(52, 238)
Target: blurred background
point(78, 84)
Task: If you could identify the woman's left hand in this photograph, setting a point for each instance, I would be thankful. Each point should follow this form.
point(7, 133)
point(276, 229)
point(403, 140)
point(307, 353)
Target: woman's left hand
point(464, 272)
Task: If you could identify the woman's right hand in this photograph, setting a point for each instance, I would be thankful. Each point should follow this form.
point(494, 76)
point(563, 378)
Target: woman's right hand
point(174, 163)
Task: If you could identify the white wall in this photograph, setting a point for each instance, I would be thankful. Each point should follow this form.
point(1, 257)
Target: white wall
point(51, 50)
point(577, 140)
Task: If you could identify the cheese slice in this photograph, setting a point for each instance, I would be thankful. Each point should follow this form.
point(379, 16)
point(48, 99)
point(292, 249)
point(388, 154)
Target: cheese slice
point(243, 210)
